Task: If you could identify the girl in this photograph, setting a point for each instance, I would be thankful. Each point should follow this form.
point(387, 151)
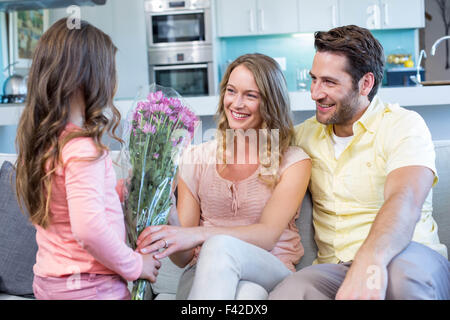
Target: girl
point(65, 176)
point(238, 198)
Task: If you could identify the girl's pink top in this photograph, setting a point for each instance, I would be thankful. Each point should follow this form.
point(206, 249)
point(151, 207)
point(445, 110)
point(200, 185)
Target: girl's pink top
point(87, 230)
point(224, 203)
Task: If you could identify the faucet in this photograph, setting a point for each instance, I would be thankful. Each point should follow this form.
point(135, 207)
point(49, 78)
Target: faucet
point(435, 45)
point(418, 79)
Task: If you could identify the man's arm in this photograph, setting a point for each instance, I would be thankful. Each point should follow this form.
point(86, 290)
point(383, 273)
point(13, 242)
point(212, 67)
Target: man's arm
point(405, 191)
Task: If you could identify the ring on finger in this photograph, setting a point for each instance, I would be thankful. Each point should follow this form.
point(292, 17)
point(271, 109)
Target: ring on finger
point(166, 244)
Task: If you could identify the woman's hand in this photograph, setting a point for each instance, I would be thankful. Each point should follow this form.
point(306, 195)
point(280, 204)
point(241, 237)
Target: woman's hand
point(170, 238)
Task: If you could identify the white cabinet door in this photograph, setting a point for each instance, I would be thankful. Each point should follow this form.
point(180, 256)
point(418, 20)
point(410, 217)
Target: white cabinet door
point(317, 15)
point(236, 17)
point(275, 17)
point(383, 14)
point(363, 13)
point(402, 14)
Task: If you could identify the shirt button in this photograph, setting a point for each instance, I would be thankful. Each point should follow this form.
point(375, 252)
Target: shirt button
point(369, 164)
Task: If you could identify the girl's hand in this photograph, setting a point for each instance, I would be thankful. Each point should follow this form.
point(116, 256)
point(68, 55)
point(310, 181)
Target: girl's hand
point(150, 267)
point(170, 238)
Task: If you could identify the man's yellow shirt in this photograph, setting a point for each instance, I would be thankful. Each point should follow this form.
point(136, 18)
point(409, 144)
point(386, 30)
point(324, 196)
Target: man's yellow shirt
point(348, 192)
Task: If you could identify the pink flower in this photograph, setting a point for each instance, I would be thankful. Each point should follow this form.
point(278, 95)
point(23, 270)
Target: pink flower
point(174, 102)
point(155, 96)
point(137, 115)
point(149, 128)
point(166, 109)
point(188, 119)
point(140, 106)
point(156, 155)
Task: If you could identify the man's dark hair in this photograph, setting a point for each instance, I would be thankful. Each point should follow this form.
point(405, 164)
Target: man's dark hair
point(364, 53)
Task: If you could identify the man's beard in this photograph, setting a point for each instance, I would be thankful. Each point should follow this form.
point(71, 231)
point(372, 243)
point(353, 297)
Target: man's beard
point(345, 109)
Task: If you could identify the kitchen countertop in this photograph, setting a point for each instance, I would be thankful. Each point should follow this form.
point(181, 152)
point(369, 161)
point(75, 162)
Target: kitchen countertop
point(300, 101)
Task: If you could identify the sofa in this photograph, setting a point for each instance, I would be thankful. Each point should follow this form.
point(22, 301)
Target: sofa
point(17, 256)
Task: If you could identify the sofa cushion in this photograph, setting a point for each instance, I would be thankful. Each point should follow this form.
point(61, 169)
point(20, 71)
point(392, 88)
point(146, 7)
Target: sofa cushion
point(441, 193)
point(17, 237)
point(11, 157)
point(169, 275)
point(166, 296)
point(168, 278)
point(306, 231)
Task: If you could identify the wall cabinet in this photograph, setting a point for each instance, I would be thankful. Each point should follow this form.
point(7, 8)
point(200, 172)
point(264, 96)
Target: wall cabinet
point(382, 14)
point(317, 15)
point(256, 17)
point(399, 14)
point(259, 17)
point(236, 17)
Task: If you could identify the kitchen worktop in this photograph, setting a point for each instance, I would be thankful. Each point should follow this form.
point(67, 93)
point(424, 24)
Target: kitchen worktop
point(300, 101)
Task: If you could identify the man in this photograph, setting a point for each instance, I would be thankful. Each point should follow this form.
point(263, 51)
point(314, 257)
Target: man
point(373, 169)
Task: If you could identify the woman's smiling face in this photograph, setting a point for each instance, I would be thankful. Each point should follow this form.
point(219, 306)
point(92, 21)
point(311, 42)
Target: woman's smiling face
point(242, 100)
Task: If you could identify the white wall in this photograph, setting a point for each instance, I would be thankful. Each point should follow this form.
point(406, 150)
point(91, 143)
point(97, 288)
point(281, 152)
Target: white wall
point(434, 29)
point(124, 22)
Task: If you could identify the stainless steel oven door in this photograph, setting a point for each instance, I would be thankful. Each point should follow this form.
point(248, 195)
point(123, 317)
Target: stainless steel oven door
point(179, 27)
point(189, 80)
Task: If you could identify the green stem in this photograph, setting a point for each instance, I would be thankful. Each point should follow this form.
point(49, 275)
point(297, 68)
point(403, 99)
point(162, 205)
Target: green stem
point(144, 159)
point(140, 290)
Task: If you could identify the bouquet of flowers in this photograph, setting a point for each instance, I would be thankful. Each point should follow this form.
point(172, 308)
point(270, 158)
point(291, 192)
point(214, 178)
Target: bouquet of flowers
point(159, 129)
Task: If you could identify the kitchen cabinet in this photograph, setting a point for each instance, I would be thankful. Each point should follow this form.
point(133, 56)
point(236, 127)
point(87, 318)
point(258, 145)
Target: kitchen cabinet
point(317, 15)
point(399, 14)
point(256, 17)
point(382, 14)
point(260, 17)
point(277, 16)
point(236, 17)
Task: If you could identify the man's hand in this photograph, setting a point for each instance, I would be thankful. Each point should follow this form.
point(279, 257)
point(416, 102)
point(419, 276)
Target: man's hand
point(405, 191)
point(365, 280)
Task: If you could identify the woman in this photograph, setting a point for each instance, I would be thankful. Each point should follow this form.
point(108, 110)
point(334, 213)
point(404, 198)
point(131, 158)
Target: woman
point(238, 198)
point(65, 175)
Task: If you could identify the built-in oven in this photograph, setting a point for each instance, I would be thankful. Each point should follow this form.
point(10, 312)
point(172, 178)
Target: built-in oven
point(178, 22)
point(180, 46)
point(190, 80)
point(188, 70)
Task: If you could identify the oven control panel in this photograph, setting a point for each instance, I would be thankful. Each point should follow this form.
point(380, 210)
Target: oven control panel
point(173, 5)
point(180, 55)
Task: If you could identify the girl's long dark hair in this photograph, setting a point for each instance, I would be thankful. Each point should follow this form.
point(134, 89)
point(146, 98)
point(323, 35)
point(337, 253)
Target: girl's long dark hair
point(64, 62)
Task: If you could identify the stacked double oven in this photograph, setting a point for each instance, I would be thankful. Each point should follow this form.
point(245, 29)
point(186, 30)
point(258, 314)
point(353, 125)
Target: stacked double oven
point(180, 45)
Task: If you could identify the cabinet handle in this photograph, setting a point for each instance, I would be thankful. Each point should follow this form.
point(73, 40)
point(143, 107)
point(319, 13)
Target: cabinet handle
point(261, 18)
point(177, 12)
point(333, 16)
point(181, 67)
point(386, 14)
point(251, 21)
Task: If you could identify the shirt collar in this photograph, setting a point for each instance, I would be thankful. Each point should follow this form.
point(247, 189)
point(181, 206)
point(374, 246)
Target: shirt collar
point(368, 120)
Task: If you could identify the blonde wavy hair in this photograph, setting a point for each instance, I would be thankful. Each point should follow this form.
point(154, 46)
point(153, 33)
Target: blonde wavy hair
point(64, 62)
point(274, 108)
